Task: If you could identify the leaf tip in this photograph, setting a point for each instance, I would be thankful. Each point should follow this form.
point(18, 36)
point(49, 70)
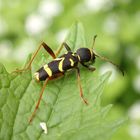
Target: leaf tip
point(2, 69)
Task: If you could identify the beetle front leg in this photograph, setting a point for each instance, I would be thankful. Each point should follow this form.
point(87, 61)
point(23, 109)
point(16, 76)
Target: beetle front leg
point(89, 67)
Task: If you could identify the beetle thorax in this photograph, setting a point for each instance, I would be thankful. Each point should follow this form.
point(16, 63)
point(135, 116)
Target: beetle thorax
point(85, 54)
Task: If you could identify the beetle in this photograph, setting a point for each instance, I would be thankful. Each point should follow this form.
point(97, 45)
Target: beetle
point(60, 65)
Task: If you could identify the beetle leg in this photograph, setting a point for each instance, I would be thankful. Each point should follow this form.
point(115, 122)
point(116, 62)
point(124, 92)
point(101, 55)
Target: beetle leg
point(41, 93)
point(64, 44)
point(49, 50)
point(38, 102)
point(89, 67)
point(80, 87)
point(46, 47)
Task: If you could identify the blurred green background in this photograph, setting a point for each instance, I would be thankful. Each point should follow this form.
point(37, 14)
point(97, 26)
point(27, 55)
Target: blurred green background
point(25, 24)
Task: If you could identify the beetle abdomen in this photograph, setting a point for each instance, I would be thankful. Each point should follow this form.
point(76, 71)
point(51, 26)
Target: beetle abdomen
point(48, 70)
point(42, 74)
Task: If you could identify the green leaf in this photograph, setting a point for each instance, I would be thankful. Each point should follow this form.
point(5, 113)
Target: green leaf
point(61, 108)
point(76, 37)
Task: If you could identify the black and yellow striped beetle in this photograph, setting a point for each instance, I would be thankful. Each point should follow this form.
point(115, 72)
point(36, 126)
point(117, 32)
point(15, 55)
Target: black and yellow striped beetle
point(59, 65)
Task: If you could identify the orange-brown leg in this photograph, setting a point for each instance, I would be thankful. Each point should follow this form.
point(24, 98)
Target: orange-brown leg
point(41, 93)
point(49, 50)
point(38, 102)
point(80, 87)
point(64, 44)
point(46, 47)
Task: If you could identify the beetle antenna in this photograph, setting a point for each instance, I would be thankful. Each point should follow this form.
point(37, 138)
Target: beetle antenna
point(93, 41)
point(106, 59)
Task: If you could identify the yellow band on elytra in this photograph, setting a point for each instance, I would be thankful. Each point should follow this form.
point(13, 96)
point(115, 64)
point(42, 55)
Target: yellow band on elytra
point(71, 62)
point(61, 65)
point(48, 70)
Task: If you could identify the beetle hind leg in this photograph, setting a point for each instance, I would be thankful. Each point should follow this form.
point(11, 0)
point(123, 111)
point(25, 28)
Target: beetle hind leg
point(28, 66)
point(38, 102)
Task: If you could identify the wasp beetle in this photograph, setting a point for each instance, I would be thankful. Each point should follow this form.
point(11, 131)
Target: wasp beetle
point(59, 65)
